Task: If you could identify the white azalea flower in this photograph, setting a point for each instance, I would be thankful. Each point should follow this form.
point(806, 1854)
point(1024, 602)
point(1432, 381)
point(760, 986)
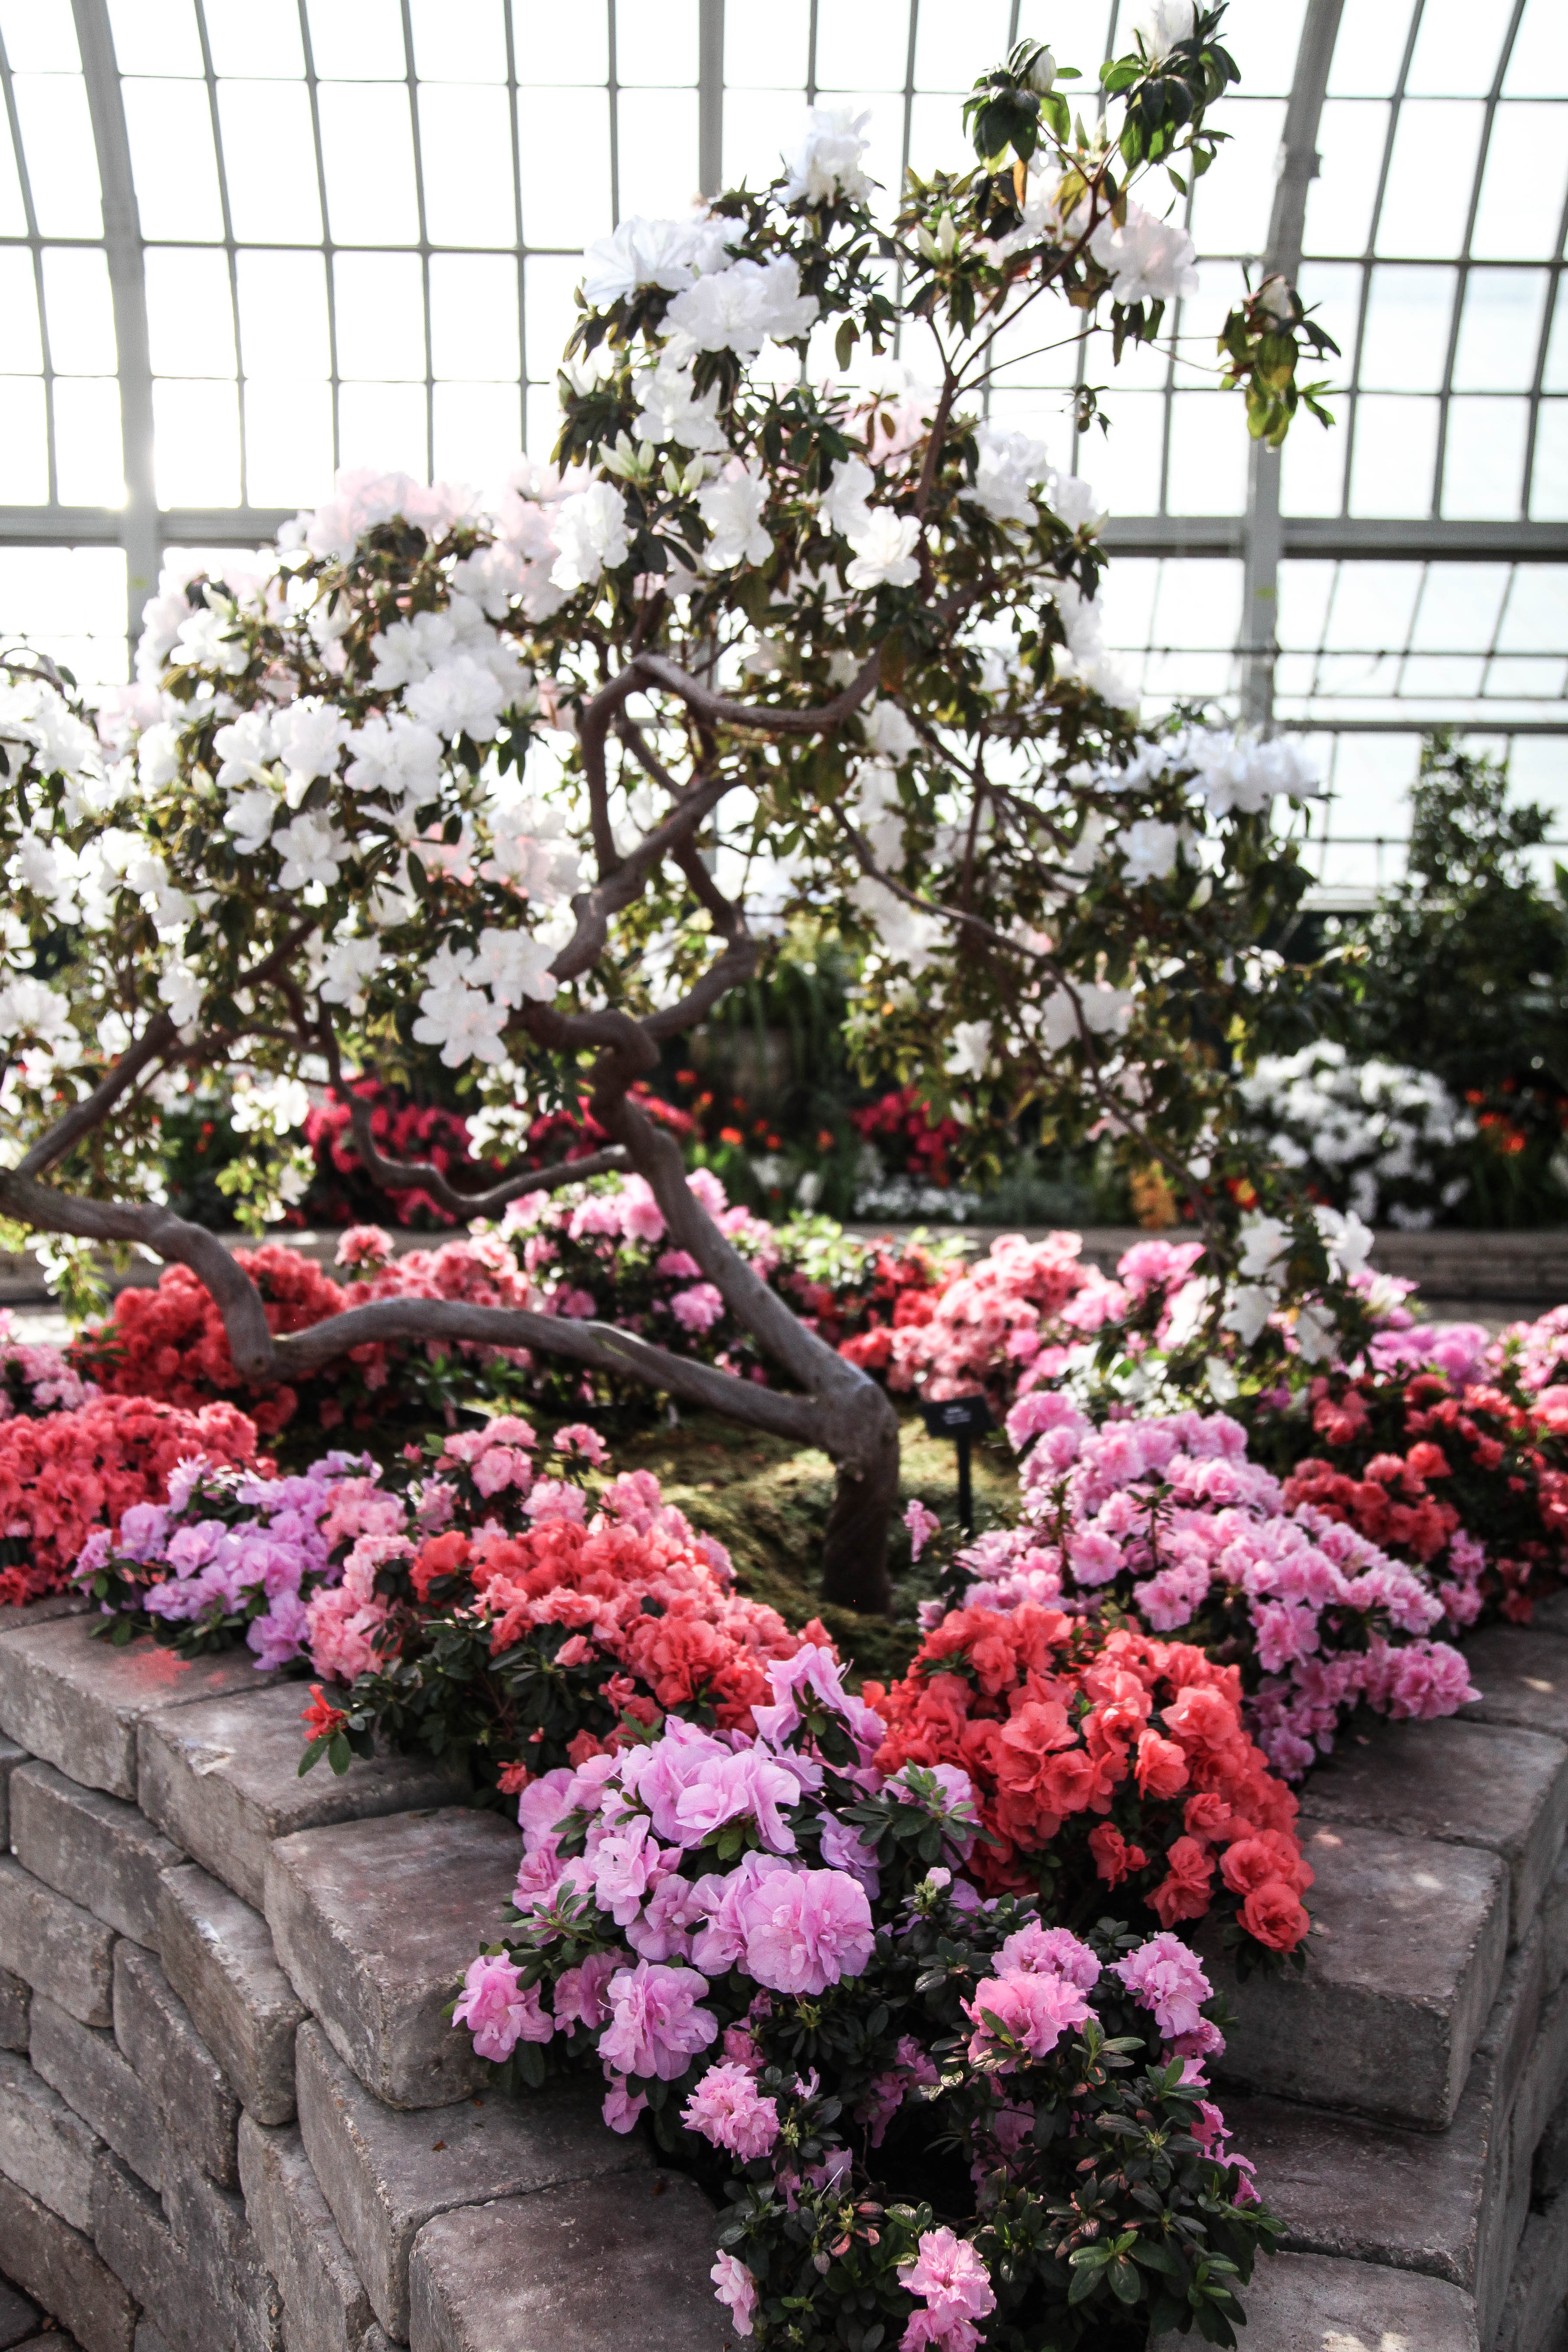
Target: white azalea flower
point(395, 755)
point(1265, 1244)
point(30, 1008)
point(1163, 24)
point(843, 504)
point(1007, 463)
point(826, 164)
point(312, 851)
point(591, 534)
point(736, 310)
point(462, 696)
point(1149, 260)
point(889, 732)
point(310, 736)
point(1149, 850)
point(182, 991)
point(732, 508)
point(673, 410)
point(515, 966)
point(249, 819)
point(347, 968)
point(246, 749)
point(969, 1050)
point(884, 552)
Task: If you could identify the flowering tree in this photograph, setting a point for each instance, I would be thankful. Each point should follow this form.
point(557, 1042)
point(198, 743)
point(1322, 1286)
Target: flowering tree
point(527, 790)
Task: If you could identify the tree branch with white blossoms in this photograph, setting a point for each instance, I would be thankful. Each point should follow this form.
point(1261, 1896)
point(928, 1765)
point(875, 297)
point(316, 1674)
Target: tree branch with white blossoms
point(529, 789)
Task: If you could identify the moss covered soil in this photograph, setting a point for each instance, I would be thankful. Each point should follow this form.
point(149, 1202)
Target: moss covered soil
point(767, 1501)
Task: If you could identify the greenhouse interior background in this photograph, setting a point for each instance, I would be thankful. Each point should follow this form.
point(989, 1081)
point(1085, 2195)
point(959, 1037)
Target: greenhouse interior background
point(245, 241)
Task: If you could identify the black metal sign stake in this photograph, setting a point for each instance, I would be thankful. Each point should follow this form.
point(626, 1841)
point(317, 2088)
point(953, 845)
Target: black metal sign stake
point(964, 1418)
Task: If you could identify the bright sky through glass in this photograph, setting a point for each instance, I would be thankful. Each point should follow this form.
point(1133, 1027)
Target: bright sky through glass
point(362, 222)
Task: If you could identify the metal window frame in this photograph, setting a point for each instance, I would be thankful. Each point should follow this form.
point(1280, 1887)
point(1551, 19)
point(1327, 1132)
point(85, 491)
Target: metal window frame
point(1261, 537)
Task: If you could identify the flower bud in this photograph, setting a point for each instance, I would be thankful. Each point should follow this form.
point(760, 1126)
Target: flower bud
point(1042, 73)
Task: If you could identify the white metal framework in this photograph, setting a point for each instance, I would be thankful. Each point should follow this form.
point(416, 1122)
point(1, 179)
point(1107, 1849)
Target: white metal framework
point(243, 241)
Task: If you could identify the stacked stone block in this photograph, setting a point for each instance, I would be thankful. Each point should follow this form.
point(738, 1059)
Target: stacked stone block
point(233, 2114)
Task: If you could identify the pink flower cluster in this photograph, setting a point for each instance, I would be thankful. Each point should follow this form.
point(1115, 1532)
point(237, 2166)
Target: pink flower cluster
point(955, 2287)
point(36, 1379)
point(1169, 1517)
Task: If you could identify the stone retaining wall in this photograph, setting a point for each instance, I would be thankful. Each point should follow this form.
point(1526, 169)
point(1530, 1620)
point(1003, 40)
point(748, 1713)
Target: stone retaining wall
point(231, 2113)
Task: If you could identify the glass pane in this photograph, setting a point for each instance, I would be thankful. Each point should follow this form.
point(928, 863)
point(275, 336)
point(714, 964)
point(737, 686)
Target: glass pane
point(1500, 330)
point(1351, 137)
point(1370, 49)
point(1125, 466)
point(1373, 605)
point(655, 42)
point(1549, 473)
point(1535, 618)
point(1305, 589)
point(383, 426)
point(357, 41)
point(287, 442)
point(13, 213)
point(1424, 211)
point(1208, 455)
point(549, 313)
point(248, 40)
point(88, 452)
point(938, 140)
point(190, 317)
point(1522, 185)
point(40, 37)
point(1539, 65)
point(172, 160)
point(1405, 344)
point(1526, 679)
point(659, 150)
point(1459, 607)
point(1395, 447)
point(61, 159)
point(1199, 604)
point(955, 41)
point(460, 40)
point(79, 309)
point(21, 350)
point(195, 444)
point(24, 443)
point(473, 317)
point(1046, 416)
point(1483, 466)
point(1231, 203)
point(553, 45)
point(155, 36)
point(269, 162)
point(860, 48)
point(465, 136)
point(367, 147)
point(762, 125)
point(1313, 464)
point(479, 435)
point(70, 601)
point(1457, 47)
point(283, 315)
point(380, 314)
point(563, 137)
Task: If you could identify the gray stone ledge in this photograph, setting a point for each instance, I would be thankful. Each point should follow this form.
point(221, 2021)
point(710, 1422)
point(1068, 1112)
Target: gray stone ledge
point(55, 1946)
point(217, 1955)
point(1312, 2303)
point(568, 2268)
point(1538, 2290)
point(88, 2071)
point(16, 1996)
point(1522, 1678)
point(76, 1702)
point(11, 1755)
point(385, 2174)
point(156, 2031)
point(1409, 1940)
point(99, 1850)
point(1478, 1784)
point(212, 2232)
point(375, 1921)
point(62, 2270)
point(221, 1776)
point(45, 2147)
point(325, 2306)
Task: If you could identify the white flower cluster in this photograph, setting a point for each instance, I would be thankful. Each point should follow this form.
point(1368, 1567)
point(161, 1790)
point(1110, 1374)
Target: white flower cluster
point(1235, 771)
point(1259, 1289)
point(1371, 1131)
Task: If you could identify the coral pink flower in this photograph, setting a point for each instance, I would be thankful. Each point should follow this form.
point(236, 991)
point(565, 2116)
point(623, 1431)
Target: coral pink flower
point(1036, 2009)
point(806, 1929)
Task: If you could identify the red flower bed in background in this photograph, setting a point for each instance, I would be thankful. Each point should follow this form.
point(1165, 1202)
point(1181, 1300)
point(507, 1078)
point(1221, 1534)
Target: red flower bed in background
point(1102, 1760)
point(64, 1474)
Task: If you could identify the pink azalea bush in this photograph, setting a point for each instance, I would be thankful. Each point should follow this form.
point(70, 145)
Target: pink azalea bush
point(1169, 1521)
point(770, 1953)
point(36, 1379)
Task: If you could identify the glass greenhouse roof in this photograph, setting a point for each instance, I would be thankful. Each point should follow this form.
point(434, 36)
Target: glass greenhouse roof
point(245, 241)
